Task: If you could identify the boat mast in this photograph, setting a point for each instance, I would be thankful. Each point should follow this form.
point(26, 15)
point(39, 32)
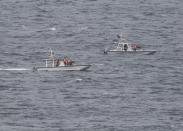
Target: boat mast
point(51, 57)
point(51, 54)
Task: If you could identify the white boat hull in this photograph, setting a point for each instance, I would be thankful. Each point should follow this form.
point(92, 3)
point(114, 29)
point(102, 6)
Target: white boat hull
point(132, 51)
point(64, 68)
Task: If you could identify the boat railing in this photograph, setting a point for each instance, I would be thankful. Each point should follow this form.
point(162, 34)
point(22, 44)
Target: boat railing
point(50, 62)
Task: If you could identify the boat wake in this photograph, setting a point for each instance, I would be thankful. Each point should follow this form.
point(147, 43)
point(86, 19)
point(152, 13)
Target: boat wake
point(97, 64)
point(15, 69)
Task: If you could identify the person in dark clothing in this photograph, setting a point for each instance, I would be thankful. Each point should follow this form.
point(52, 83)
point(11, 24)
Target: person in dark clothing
point(125, 47)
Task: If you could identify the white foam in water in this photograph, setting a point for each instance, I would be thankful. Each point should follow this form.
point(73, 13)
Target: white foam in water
point(79, 79)
point(53, 28)
point(14, 69)
point(97, 64)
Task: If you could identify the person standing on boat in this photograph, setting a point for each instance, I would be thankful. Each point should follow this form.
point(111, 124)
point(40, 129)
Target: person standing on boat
point(125, 47)
point(135, 46)
point(57, 63)
point(67, 61)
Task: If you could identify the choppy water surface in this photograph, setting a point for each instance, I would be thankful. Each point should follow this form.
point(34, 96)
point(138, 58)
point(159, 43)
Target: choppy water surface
point(132, 92)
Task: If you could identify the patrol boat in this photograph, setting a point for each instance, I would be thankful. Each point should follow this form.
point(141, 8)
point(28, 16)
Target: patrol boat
point(56, 64)
point(126, 47)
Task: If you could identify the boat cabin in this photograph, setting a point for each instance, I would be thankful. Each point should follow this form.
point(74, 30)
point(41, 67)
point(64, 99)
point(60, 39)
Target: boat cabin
point(57, 62)
point(124, 46)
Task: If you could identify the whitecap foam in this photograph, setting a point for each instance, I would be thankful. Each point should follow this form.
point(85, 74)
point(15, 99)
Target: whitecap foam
point(52, 28)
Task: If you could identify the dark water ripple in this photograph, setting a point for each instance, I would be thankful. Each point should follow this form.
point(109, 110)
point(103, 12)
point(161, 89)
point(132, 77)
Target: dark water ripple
point(132, 92)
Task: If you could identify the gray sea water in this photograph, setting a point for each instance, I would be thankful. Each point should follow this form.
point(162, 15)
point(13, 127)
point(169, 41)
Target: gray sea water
point(120, 92)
